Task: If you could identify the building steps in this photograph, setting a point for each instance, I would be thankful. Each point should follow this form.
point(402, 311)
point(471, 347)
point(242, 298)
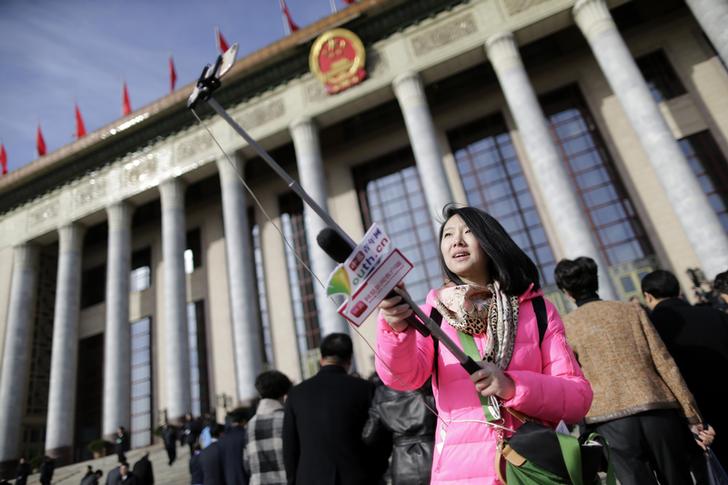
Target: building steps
point(178, 473)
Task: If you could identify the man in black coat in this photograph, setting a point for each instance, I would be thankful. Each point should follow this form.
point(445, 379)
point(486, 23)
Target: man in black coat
point(211, 460)
point(232, 445)
point(21, 474)
point(169, 436)
point(143, 471)
point(46, 470)
point(697, 338)
point(323, 421)
point(190, 431)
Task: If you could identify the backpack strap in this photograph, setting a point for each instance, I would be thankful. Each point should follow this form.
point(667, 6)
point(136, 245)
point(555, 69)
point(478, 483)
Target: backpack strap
point(437, 318)
point(539, 308)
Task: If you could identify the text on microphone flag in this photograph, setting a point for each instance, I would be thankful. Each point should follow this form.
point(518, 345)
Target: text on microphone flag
point(374, 267)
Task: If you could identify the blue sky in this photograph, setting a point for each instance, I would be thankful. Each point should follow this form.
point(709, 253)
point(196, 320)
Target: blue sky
point(55, 52)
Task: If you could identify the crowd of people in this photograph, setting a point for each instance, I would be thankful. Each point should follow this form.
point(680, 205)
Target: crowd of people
point(645, 375)
point(332, 428)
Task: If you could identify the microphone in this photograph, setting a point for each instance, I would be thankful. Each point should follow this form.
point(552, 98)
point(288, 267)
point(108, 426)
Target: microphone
point(339, 250)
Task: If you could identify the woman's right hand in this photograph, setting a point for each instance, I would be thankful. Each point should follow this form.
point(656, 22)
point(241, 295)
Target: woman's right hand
point(394, 312)
point(703, 436)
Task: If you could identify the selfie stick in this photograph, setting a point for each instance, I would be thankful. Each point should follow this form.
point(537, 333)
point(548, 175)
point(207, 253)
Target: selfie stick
point(208, 83)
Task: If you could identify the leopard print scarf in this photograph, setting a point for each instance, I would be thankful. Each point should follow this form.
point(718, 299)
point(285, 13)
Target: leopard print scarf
point(475, 310)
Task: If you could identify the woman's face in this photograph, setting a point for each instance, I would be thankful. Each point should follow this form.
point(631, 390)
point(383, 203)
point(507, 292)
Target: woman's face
point(462, 253)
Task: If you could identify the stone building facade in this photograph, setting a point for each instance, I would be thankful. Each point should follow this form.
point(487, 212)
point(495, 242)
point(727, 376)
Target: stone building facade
point(139, 280)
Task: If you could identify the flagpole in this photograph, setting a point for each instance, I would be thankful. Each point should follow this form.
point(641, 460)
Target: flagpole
point(286, 27)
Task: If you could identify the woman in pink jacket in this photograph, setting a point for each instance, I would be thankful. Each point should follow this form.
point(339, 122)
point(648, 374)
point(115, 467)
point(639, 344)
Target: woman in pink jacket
point(492, 283)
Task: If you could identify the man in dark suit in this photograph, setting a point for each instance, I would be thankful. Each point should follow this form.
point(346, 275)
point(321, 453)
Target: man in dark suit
point(211, 460)
point(232, 445)
point(697, 338)
point(323, 421)
point(121, 443)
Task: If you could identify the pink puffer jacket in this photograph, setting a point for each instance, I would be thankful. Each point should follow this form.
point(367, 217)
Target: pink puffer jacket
point(549, 386)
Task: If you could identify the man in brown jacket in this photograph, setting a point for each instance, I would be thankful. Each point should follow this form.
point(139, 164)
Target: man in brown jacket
point(641, 402)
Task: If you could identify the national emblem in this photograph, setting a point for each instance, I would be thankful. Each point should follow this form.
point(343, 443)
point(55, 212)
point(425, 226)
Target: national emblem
point(337, 59)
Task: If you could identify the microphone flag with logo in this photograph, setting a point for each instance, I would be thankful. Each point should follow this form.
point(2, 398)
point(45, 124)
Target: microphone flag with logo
point(370, 272)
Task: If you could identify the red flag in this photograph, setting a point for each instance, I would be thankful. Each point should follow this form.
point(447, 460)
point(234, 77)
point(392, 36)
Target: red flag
point(222, 44)
point(40, 142)
point(3, 159)
point(125, 103)
point(172, 75)
point(80, 127)
point(349, 2)
point(292, 26)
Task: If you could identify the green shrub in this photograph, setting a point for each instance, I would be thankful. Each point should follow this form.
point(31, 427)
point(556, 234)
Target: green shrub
point(97, 446)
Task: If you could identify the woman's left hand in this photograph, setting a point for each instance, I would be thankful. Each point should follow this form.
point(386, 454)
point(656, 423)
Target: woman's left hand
point(492, 381)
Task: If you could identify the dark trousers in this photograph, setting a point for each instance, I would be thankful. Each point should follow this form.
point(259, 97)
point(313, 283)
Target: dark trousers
point(653, 440)
point(171, 452)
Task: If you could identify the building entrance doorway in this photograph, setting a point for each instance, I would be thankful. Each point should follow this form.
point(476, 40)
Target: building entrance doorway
point(89, 390)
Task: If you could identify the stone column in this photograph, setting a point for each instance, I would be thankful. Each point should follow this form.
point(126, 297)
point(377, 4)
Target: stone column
point(423, 138)
point(64, 355)
point(16, 354)
point(241, 279)
point(117, 335)
point(688, 200)
point(562, 203)
point(712, 15)
point(177, 351)
point(313, 180)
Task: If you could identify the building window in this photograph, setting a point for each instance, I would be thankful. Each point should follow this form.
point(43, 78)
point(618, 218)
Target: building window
point(619, 232)
point(265, 329)
point(711, 168)
point(33, 441)
point(193, 251)
point(141, 270)
point(493, 180)
point(36, 405)
point(391, 194)
point(303, 298)
point(93, 286)
point(660, 76)
point(141, 382)
point(200, 389)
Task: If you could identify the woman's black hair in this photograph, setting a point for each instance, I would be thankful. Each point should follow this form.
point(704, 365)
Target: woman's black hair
point(507, 263)
point(580, 277)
